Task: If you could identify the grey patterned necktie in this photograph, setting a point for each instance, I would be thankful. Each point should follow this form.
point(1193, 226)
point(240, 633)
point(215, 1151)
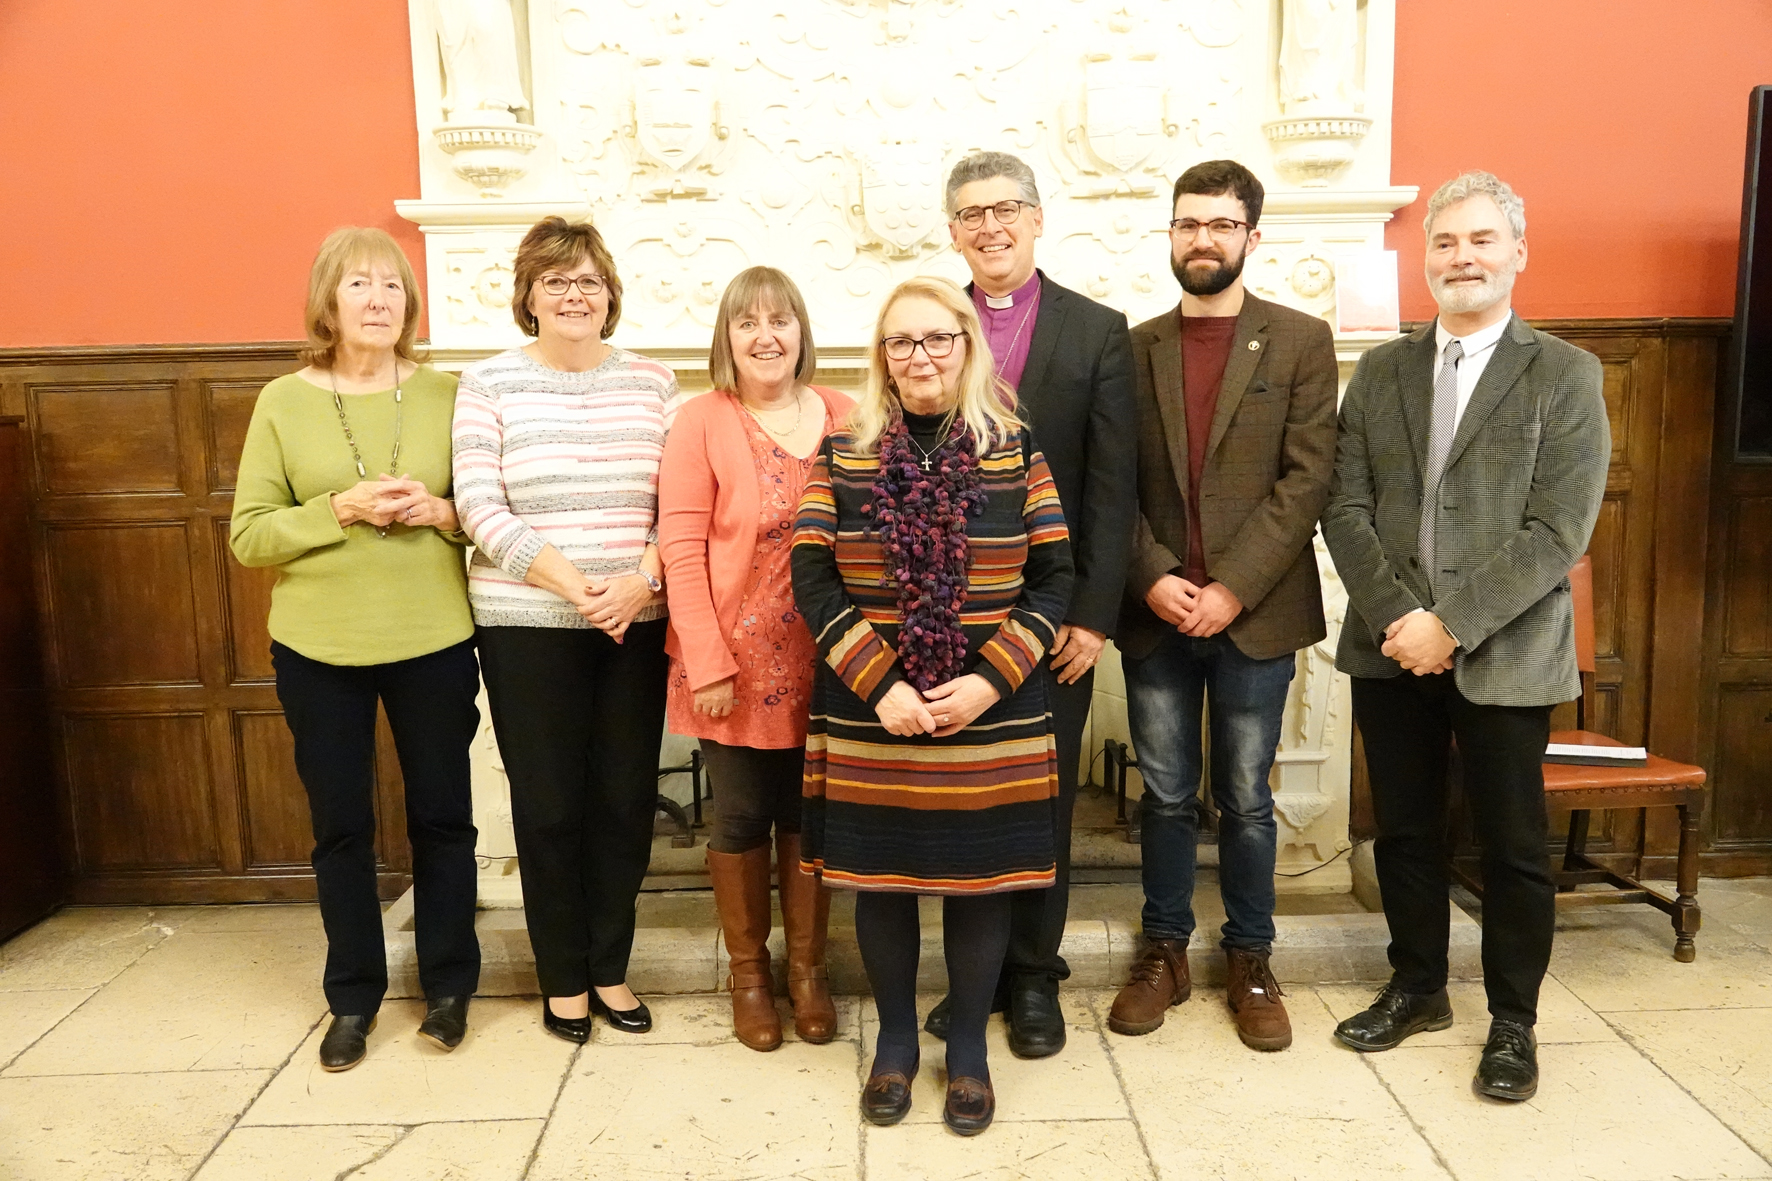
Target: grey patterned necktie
point(1438, 446)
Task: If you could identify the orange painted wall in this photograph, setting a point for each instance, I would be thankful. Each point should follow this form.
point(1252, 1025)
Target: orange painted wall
point(175, 164)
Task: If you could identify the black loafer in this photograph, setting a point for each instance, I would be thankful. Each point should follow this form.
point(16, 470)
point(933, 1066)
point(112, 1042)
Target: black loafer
point(635, 1020)
point(573, 1029)
point(887, 1097)
point(1509, 1069)
point(1393, 1016)
point(345, 1042)
point(1036, 1023)
point(446, 1021)
point(936, 1024)
point(970, 1107)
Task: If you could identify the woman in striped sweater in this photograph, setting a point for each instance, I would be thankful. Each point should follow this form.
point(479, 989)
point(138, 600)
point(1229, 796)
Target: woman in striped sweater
point(557, 447)
point(932, 564)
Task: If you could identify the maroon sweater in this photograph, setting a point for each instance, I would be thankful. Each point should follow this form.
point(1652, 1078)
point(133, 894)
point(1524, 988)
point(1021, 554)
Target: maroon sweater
point(1205, 348)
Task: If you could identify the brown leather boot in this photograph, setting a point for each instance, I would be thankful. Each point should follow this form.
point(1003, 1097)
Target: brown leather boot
point(805, 916)
point(1159, 982)
point(1254, 997)
point(741, 892)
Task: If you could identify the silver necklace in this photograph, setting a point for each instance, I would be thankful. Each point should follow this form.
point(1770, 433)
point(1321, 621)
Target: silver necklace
point(941, 436)
point(399, 415)
point(1025, 317)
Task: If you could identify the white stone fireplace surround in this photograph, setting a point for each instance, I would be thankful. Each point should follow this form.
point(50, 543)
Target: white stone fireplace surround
point(705, 136)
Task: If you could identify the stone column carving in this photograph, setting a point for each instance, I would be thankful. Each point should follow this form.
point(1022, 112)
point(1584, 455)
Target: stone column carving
point(482, 93)
point(1321, 93)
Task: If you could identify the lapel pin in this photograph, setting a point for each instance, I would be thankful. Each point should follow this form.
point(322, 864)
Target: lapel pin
point(1253, 345)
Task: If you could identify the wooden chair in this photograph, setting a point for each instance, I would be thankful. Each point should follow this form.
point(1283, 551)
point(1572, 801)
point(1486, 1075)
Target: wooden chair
point(1582, 790)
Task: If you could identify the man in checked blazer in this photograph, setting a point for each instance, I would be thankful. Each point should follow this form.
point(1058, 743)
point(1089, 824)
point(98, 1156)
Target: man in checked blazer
point(1236, 437)
point(1469, 471)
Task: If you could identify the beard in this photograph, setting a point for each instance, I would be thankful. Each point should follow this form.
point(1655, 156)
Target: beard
point(1459, 298)
point(1210, 282)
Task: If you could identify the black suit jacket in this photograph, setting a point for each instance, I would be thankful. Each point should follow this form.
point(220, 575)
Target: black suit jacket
point(1077, 396)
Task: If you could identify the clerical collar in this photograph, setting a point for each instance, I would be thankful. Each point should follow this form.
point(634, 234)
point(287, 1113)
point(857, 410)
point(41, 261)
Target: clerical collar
point(998, 303)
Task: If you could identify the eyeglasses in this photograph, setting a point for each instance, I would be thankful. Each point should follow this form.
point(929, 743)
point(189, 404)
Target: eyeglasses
point(935, 345)
point(560, 284)
point(1004, 211)
point(1221, 228)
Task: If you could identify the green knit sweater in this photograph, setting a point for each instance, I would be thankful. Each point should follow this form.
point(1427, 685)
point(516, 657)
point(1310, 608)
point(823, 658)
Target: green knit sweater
point(347, 595)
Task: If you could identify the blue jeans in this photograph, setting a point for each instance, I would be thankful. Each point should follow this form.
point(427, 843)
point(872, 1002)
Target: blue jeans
point(1164, 693)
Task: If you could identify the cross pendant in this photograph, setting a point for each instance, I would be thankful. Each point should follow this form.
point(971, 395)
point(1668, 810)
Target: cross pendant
point(925, 463)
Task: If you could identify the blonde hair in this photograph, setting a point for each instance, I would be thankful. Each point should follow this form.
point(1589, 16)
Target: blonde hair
point(759, 289)
point(986, 402)
point(344, 250)
point(555, 244)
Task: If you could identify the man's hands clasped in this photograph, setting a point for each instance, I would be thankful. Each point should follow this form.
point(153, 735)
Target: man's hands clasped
point(1199, 611)
point(1420, 643)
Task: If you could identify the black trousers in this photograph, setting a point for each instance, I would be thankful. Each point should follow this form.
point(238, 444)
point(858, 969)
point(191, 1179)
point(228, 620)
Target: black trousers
point(579, 719)
point(1409, 724)
point(1036, 917)
point(757, 792)
point(330, 710)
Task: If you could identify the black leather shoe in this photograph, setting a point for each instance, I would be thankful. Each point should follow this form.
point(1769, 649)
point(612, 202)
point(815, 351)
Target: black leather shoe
point(887, 1097)
point(635, 1020)
point(936, 1024)
point(446, 1021)
point(1509, 1069)
point(970, 1107)
point(1394, 1015)
point(1036, 1024)
point(573, 1029)
point(345, 1042)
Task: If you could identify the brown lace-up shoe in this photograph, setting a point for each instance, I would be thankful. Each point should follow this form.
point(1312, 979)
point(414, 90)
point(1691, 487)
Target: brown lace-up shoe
point(1159, 982)
point(1254, 997)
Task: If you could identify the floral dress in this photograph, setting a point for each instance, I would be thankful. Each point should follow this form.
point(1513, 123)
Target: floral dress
point(770, 642)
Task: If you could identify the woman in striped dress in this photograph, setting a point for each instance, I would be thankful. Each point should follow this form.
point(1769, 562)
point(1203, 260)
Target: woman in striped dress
point(557, 448)
point(932, 564)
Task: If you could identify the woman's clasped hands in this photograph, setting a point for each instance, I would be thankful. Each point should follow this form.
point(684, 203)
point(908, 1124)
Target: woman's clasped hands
point(945, 709)
point(387, 500)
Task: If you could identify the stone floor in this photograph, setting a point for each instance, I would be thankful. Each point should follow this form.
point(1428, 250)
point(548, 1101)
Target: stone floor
point(174, 1043)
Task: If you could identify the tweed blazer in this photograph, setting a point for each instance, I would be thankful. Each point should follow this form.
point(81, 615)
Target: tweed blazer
point(1266, 477)
point(1076, 396)
point(1518, 500)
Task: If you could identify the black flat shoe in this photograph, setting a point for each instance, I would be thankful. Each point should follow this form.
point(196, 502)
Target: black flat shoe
point(635, 1020)
point(446, 1021)
point(1393, 1016)
point(970, 1106)
point(1036, 1024)
point(572, 1029)
point(936, 1024)
point(1509, 1069)
point(345, 1042)
point(887, 1097)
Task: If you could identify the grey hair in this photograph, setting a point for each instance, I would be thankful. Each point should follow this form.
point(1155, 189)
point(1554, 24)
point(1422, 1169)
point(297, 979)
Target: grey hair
point(1478, 183)
point(989, 166)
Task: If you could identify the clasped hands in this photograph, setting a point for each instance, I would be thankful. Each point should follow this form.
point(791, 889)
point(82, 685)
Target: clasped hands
point(384, 500)
point(610, 604)
point(946, 709)
point(1420, 643)
point(1198, 611)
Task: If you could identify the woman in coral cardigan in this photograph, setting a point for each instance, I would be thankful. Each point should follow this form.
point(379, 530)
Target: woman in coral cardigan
point(735, 463)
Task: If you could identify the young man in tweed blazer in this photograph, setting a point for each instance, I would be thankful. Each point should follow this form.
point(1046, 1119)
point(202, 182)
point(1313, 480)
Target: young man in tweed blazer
point(1236, 408)
point(1469, 472)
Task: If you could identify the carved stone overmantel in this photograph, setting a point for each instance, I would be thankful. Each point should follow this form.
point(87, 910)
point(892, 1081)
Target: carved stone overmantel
point(705, 136)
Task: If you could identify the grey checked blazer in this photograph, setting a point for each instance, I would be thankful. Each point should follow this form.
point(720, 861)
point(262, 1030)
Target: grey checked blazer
point(1518, 501)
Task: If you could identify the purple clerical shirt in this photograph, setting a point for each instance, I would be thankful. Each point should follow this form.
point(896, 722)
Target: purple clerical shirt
point(1009, 329)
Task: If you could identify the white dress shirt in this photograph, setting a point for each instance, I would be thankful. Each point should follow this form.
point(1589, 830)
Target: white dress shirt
point(1479, 346)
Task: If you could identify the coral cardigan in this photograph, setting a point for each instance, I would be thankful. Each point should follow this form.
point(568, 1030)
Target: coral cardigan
point(708, 509)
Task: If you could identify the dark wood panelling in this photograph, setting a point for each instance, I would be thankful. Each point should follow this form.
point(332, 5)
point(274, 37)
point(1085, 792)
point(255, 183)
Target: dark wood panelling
point(1747, 616)
point(105, 438)
point(122, 604)
point(140, 792)
point(172, 766)
point(1744, 756)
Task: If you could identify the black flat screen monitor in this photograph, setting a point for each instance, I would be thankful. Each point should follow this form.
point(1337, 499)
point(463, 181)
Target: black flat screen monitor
point(1752, 367)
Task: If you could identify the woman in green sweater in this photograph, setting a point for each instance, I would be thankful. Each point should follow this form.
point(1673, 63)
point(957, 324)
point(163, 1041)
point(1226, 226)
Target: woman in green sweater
point(344, 487)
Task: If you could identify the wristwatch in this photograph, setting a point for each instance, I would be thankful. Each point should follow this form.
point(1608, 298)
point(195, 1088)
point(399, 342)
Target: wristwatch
point(652, 584)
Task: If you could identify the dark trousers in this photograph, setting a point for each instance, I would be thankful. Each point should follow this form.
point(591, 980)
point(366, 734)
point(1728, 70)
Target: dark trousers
point(756, 791)
point(330, 710)
point(1409, 724)
point(579, 719)
point(1036, 917)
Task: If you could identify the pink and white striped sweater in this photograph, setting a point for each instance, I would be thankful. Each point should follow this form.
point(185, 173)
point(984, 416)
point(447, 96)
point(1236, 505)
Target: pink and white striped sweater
point(569, 460)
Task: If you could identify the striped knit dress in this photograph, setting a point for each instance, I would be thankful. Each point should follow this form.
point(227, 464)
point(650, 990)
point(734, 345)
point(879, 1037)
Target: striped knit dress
point(970, 813)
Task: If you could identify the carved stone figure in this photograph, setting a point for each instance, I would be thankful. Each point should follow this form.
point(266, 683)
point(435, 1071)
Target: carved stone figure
point(480, 76)
point(1319, 57)
point(676, 119)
